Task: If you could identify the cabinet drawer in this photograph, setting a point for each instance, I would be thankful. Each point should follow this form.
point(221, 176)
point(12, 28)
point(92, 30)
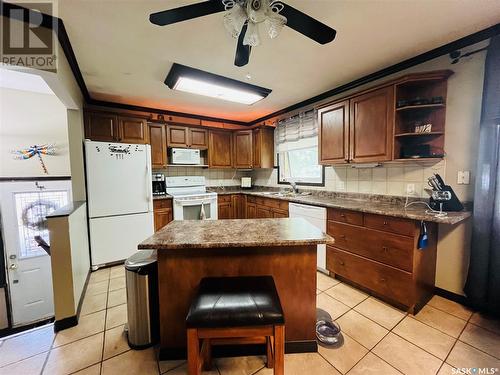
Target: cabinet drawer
point(390, 282)
point(272, 203)
point(250, 199)
point(224, 198)
point(391, 249)
point(162, 203)
point(390, 224)
point(345, 216)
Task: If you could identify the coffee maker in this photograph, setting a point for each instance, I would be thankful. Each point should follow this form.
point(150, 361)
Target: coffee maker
point(159, 186)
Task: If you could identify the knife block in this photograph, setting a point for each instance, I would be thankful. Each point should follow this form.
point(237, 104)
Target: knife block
point(453, 204)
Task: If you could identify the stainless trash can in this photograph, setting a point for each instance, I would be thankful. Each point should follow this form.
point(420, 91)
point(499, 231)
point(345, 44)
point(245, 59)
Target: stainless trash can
point(141, 274)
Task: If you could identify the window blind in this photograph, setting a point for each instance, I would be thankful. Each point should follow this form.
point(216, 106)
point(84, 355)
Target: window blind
point(297, 132)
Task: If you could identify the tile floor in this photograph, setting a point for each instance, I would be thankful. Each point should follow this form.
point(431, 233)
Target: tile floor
point(377, 339)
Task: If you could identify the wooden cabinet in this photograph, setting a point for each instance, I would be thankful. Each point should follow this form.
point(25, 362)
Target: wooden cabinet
point(242, 149)
point(185, 137)
point(224, 206)
point(177, 136)
point(109, 127)
point(198, 138)
point(357, 130)
point(220, 149)
point(100, 126)
point(379, 253)
point(238, 202)
point(133, 130)
point(333, 122)
point(158, 141)
point(162, 213)
point(263, 147)
point(371, 126)
point(261, 208)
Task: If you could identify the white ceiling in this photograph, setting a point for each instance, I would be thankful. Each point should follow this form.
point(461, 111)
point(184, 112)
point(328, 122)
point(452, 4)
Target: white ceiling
point(11, 79)
point(124, 58)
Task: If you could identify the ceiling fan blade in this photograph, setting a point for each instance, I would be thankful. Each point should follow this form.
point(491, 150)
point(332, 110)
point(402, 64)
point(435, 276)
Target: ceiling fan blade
point(187, 12)
point(307, 25)
point(242, 51)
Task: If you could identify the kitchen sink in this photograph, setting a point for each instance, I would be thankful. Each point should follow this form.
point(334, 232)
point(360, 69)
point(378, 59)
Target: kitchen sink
point(286, 193)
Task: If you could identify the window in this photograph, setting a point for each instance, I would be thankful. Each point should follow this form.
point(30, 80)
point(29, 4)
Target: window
point(297, 147)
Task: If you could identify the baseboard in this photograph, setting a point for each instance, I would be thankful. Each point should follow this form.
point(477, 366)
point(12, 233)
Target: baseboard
point(65, 323)
point(309, 346)
point(459, 298)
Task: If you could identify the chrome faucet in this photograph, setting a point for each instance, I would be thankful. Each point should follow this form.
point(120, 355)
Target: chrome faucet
point(295, 189)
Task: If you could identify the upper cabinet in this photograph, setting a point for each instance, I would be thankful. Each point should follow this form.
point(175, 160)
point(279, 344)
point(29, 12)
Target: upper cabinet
point(371, 123)
point(158, 140)
point(220, 149)
point(101, 126)
point(243, 150)
point(263, 147)
point(400, 120)
point(333, 122)
point(109, 127)
point(133, 130)
point(185, 137)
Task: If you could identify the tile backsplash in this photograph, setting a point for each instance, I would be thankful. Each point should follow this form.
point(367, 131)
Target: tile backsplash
point(388, 179)
point(213, 177)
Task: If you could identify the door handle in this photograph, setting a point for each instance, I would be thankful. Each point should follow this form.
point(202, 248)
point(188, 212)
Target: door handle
point(13, 266)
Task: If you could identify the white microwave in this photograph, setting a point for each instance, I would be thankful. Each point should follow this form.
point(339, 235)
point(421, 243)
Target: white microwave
point(186, 156)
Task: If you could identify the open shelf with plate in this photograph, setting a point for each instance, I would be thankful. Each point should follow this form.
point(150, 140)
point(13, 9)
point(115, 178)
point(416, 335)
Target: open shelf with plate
point(420, 116)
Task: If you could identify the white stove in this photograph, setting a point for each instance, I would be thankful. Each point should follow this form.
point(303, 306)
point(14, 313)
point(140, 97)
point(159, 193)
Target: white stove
point(191, 201)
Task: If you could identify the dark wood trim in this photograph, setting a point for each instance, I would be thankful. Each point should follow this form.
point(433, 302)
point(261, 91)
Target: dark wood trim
point(41, 178)
point(65, 323)
point(419, 59)
point(241, 350)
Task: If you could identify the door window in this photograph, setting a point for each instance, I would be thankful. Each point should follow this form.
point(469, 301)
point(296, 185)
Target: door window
point(32, 209)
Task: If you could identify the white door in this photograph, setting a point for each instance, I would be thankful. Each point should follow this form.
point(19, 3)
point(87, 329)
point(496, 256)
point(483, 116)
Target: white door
point(118, 178)
point(23, 207)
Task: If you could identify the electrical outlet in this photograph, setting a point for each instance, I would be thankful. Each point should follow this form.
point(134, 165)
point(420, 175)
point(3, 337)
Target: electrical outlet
point(463, 178)
point(410, 189)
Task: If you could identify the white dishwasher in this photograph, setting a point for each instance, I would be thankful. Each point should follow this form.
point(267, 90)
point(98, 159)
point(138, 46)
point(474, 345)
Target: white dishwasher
point(317, 217)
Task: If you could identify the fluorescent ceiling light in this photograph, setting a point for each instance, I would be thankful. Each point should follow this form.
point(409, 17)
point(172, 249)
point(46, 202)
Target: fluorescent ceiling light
point(184, 78)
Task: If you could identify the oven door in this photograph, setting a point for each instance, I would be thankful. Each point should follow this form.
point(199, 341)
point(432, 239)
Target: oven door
point(190, 208)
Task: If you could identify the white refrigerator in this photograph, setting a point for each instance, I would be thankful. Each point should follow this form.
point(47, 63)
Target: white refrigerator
point(119, 193)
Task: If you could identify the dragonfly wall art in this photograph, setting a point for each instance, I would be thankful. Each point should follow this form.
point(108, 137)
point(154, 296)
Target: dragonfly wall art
point(36, 150)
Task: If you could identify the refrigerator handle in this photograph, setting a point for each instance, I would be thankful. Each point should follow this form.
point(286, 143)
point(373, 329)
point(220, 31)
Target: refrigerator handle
point(148, 183)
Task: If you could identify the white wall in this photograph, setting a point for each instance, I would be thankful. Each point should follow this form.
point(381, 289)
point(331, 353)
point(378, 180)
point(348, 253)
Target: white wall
point(26, 119)
point(463, 110)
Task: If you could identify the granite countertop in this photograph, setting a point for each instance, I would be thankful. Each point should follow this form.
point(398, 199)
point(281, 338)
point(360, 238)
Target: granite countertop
point(162, 196)
point(236, 233)
point(374, 204)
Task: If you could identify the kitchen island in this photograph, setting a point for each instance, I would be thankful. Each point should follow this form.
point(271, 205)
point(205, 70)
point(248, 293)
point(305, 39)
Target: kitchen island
point(191, 250)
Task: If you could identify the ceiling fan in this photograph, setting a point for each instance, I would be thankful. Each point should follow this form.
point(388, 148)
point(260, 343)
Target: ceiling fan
point(242, 20)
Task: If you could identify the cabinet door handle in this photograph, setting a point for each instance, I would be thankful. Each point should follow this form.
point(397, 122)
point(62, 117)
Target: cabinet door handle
point(383, 279)
point(385, 248)
point(385, 222)
point(341, 262)
point(342, 236)
point(342, 215)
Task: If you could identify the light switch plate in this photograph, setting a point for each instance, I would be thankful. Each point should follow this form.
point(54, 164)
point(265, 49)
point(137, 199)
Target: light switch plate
point(463, 178)
point(410, 189)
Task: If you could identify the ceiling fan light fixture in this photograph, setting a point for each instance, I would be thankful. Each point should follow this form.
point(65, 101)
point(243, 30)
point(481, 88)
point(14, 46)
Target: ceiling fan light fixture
point(252, 36)
point(195, 81)
point(234, 20)
point(275, 23)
